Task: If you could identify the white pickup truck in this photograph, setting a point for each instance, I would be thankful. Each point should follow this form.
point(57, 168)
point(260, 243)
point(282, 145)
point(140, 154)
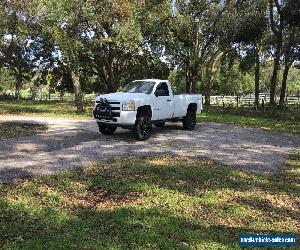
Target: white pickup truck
point(142, 103)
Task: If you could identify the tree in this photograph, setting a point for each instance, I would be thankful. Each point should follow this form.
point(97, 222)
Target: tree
point(277, 27)
point(16, 51)
point(231, 79)
point(246, 28)
point(291, 50)
point(291, 44)
point(60, 79)
point(22, 50)
point(187, 33)
point(196, 28)
point(116, 41)
point(66, 22)
point(3, 27)
point(7, 81)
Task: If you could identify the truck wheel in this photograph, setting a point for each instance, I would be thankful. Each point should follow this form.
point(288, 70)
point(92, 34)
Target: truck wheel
point(143, 128)
point(189, 121)
point(160, 125)
point(107, 130)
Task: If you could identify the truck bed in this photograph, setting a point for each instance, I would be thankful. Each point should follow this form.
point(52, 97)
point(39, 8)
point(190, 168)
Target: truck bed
point(182, 101)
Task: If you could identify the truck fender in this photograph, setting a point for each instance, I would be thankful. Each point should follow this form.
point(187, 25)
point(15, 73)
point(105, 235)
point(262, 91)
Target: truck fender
point(144, 111)
point(192, 107)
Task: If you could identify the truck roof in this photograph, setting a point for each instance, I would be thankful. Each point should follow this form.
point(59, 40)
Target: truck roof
point(156, 80)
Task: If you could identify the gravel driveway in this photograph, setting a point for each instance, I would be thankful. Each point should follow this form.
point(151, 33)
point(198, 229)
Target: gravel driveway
point(73, 143)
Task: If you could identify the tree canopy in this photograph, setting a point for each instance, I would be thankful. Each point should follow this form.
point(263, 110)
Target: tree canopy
point(207, 46)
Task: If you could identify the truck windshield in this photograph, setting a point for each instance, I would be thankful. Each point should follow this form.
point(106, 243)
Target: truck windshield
point(145, 87)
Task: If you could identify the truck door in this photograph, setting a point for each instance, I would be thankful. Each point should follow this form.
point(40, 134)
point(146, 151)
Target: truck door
point(163, 104)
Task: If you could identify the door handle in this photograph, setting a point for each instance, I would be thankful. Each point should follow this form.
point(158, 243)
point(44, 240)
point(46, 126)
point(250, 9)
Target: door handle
point(168, 100)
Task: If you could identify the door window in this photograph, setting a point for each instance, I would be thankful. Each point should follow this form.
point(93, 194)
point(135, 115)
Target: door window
point(162, 89)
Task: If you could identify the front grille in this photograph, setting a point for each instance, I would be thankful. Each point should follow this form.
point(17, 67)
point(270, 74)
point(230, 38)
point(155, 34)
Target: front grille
point(110, 102)
point(107, 111)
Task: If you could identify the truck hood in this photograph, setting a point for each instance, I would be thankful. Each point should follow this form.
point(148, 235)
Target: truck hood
point(123, 97)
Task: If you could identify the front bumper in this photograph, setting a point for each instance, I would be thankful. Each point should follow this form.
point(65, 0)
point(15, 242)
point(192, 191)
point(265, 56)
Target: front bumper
point(126, 118)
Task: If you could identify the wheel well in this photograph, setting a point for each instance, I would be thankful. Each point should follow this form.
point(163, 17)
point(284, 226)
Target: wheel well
point(144, 111)
point(192, 107)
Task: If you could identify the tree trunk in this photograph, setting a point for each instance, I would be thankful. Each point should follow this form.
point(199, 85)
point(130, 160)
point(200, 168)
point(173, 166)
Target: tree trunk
point(77, 91)
point(188, 80)
point(33, 93)
point(278, 33)
point(287, 65)
point(194, 78)
point(208, 90)
point(61, 95)
point(189, 85)
point(18, 85)
point(257, 70)
point(209, 79)
point(112, 86)
point(212, 70)
point(18, 94)
point(284, 83)
point(276, 66)
point(108, 71)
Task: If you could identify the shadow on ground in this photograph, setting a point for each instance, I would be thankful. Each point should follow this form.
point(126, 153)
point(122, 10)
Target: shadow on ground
point(154, 203)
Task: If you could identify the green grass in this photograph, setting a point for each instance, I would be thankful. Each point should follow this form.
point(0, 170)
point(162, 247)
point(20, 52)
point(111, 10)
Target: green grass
point(68, 110)
point(16, 129)
point(44, 108)
point(149, 203)
point(271, 124)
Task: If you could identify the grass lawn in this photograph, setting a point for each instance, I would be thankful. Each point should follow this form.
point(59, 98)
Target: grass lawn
point(149, 203)
point(44, 108)
point(68, 110)
point(15, 129)
point(271, 124)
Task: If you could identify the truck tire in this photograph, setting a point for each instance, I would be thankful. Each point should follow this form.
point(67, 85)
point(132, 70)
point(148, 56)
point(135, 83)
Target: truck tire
point(143, 128)
point(160, 124)
point(107, 130)
point(189, 121)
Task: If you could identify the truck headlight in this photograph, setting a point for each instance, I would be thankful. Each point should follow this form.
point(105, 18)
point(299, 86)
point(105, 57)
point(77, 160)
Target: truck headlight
point(128, 106)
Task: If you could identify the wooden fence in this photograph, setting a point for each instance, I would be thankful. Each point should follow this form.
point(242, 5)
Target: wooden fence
point(238, 100)
point(248, 100)
point(68, 97)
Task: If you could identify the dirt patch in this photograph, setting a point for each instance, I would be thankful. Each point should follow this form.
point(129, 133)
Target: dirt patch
point(70, 144)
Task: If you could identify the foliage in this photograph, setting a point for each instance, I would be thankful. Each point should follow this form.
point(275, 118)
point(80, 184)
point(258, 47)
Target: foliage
point(99, 46)
point(293, 79)
point(232, 80)
point(7, 80)
point(294, 82)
